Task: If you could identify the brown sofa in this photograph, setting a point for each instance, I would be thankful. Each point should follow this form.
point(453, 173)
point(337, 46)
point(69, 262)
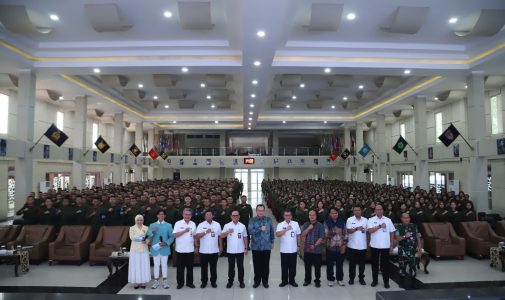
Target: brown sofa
point(38, 236)
point(109, 239)
point(440, 240)
point(479, 237)
point(500, 228)
point(72, 244)
point(8, 233)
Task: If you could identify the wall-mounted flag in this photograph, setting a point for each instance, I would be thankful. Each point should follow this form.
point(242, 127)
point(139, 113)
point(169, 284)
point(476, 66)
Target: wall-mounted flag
point(345, 154)
point(333, 156)
point(55, 135)
point(449, 135)
point(135, 150)
point(364, 150)
point(153, 154)
point(401, 143)
point(101, 144)
point(164, 155)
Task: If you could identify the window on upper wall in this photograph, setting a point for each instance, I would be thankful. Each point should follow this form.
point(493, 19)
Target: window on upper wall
point(495, 117)
point(4, 113)
point(59, 120)
point(402, 130)
point(438, 126)
point(94, 135)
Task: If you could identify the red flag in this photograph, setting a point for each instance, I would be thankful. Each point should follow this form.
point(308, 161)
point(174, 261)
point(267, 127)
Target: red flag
point(333, 155)
point(153, 154)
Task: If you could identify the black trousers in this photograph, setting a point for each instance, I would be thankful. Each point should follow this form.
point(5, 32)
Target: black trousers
point(382, 256)
point(335, 259)
point(312, 259)
point(205, 261)
point(288, 267)
point(185, 262)
point(356, 257)
point(261, 264)
point(239, 258)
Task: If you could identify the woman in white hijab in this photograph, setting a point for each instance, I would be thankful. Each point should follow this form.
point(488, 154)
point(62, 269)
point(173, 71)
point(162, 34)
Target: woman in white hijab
point(139, 269)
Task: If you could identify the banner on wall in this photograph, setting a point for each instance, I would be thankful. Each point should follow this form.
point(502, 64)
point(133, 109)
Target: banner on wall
point(316, 161)
point(112, 157)
point(195, 162)
point(3, 147)
point(430, 152)
point(95, 155)
point(46, 151)
point(455, 150)
point(181, 162)
point(208, 161)
point(290, 161)
point(500, 146)
point(169, 161)
point(302, 161)
point(221, 162)
point(276, 161)
point(70, 153)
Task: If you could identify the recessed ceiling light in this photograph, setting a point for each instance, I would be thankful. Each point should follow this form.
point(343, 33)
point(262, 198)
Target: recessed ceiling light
point(351, 16)
point(155, 97)
point(96, 70)
point(302, 85)
point(216, 122)
point(453, 20)
point(141, 85)
point(436, 98)
point(251, 113)
point(249, 124)
point(361, 87)
point(261, 33)
point(167, 14)
point(166, 106)
point(293, 97)
point(288, 106)
point(250, 119)
point(248, 128)
point(174, 122)
point(333, 107)
point(54, 17)
point(327, 70)
point(283, 122)
point(213, 106)
point(253, 95)
point(184, 69)
point(99, 103)
point(344, 98)
point(251, 105)
point(406, 72)
point(325, 122)
point(257, 63)
point(466, 86)
point(60, 98)
point(209, 97)
point(255, 82)
point(202, 85)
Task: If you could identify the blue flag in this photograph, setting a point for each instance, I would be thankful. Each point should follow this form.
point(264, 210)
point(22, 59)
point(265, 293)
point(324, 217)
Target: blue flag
point(364, 150)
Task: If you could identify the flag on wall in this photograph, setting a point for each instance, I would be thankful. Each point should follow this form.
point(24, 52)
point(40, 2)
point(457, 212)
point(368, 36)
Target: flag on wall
point(449, 135)
point(333, 156)
point(364, 150)
point(101, 144)
point(345, 154)
point(401, 143)
point(164, 155)
point(135, 150)
point(55, 135)
point(153, 154)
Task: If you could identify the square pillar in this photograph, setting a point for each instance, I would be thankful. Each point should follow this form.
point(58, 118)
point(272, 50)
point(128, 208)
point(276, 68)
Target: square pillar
point(347, 144)
point(118, 148)
point(150, 144)
point(360, 176)
point(139, 135)
point(80, 141)
point(421, 175)
point(380, 138)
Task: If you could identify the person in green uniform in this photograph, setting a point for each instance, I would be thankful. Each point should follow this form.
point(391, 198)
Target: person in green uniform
point(409, 244)
point(49, 215)
point(246, 213)
point(97, 216)
point(66, 213)
point(172, 212)
point(150, 211)
point(133, 209)
point(301, 213)
point(81, 211)
point(29, 212)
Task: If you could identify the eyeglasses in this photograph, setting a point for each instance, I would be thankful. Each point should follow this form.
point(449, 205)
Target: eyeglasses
point(235, 215)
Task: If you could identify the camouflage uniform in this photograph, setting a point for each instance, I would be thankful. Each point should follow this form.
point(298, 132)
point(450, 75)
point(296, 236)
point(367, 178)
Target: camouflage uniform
point(407, 248)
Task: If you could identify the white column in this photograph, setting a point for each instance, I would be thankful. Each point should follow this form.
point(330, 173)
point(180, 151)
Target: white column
point(360, 176)
point(150, 144)
point(380, 138)
point(118, 148)
point(347, 144)
point(421, 176)
point(25, 127)
point(80, 141)
point(139, 132)
point(222, 144)
point(275, 142)
point(477, 179)
point(497, 174)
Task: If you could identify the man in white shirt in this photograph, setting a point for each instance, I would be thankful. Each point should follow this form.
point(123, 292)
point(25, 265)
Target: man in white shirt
point(211, 245)
point(289, 232)
point(236, 240)
point(356, 244)
point(381, 243)
point(184, 232)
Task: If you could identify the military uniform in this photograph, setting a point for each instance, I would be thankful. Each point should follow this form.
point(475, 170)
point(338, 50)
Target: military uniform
point(80, 215)
point(407, 248)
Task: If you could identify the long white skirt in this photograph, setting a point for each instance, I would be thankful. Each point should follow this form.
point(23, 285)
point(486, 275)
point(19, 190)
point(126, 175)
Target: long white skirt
point(139, 268)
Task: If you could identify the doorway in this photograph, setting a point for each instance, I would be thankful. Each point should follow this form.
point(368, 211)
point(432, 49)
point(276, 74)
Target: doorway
point(251, 179)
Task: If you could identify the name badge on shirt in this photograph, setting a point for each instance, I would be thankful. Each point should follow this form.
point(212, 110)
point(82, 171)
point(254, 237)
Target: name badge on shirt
point(239, 235)
point(292, 234)
point(212, 234)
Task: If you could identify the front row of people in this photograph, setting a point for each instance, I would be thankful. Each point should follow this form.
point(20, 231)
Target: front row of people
point(207, 240)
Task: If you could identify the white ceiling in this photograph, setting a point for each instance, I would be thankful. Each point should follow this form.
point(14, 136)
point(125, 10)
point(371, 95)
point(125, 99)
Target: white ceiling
point(147, 43)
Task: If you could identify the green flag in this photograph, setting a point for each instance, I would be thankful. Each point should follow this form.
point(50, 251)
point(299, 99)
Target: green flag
point(400, 145)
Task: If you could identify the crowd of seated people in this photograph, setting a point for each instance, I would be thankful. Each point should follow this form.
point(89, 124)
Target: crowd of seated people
point(422, 205)
point(119, 204)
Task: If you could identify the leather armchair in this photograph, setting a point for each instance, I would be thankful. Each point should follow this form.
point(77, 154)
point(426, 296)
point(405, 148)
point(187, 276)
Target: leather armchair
point(37, 236)
point(109, 239)
point(500, 228)
point(479, 237)
point(72, 244)
point(8, 233)
point(440, 240)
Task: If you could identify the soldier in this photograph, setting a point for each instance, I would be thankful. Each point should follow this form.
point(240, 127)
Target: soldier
point(66, 213)
point(246, 213)
point(172, 212)
point(409, 244)
point(29, 211)
point(150, 211)
point(131, 211)
point(49, 215)
point(81, 211)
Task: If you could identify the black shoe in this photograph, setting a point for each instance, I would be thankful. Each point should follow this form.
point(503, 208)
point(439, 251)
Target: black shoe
point(179, 286)
point(283, 284)
point(401, 282)
point(374, 283)
point(351, 281)
point(203, 285)
point(136, 287)
point(318, 284)
point(386, 285)
point(265, 285)
point(190, 286)
point(229, 285)
point(294, 284)
point(362, 282)
point(214, 285)
point(143, 286)
point(256, 284)
point(242, 285)
point(306, 283)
